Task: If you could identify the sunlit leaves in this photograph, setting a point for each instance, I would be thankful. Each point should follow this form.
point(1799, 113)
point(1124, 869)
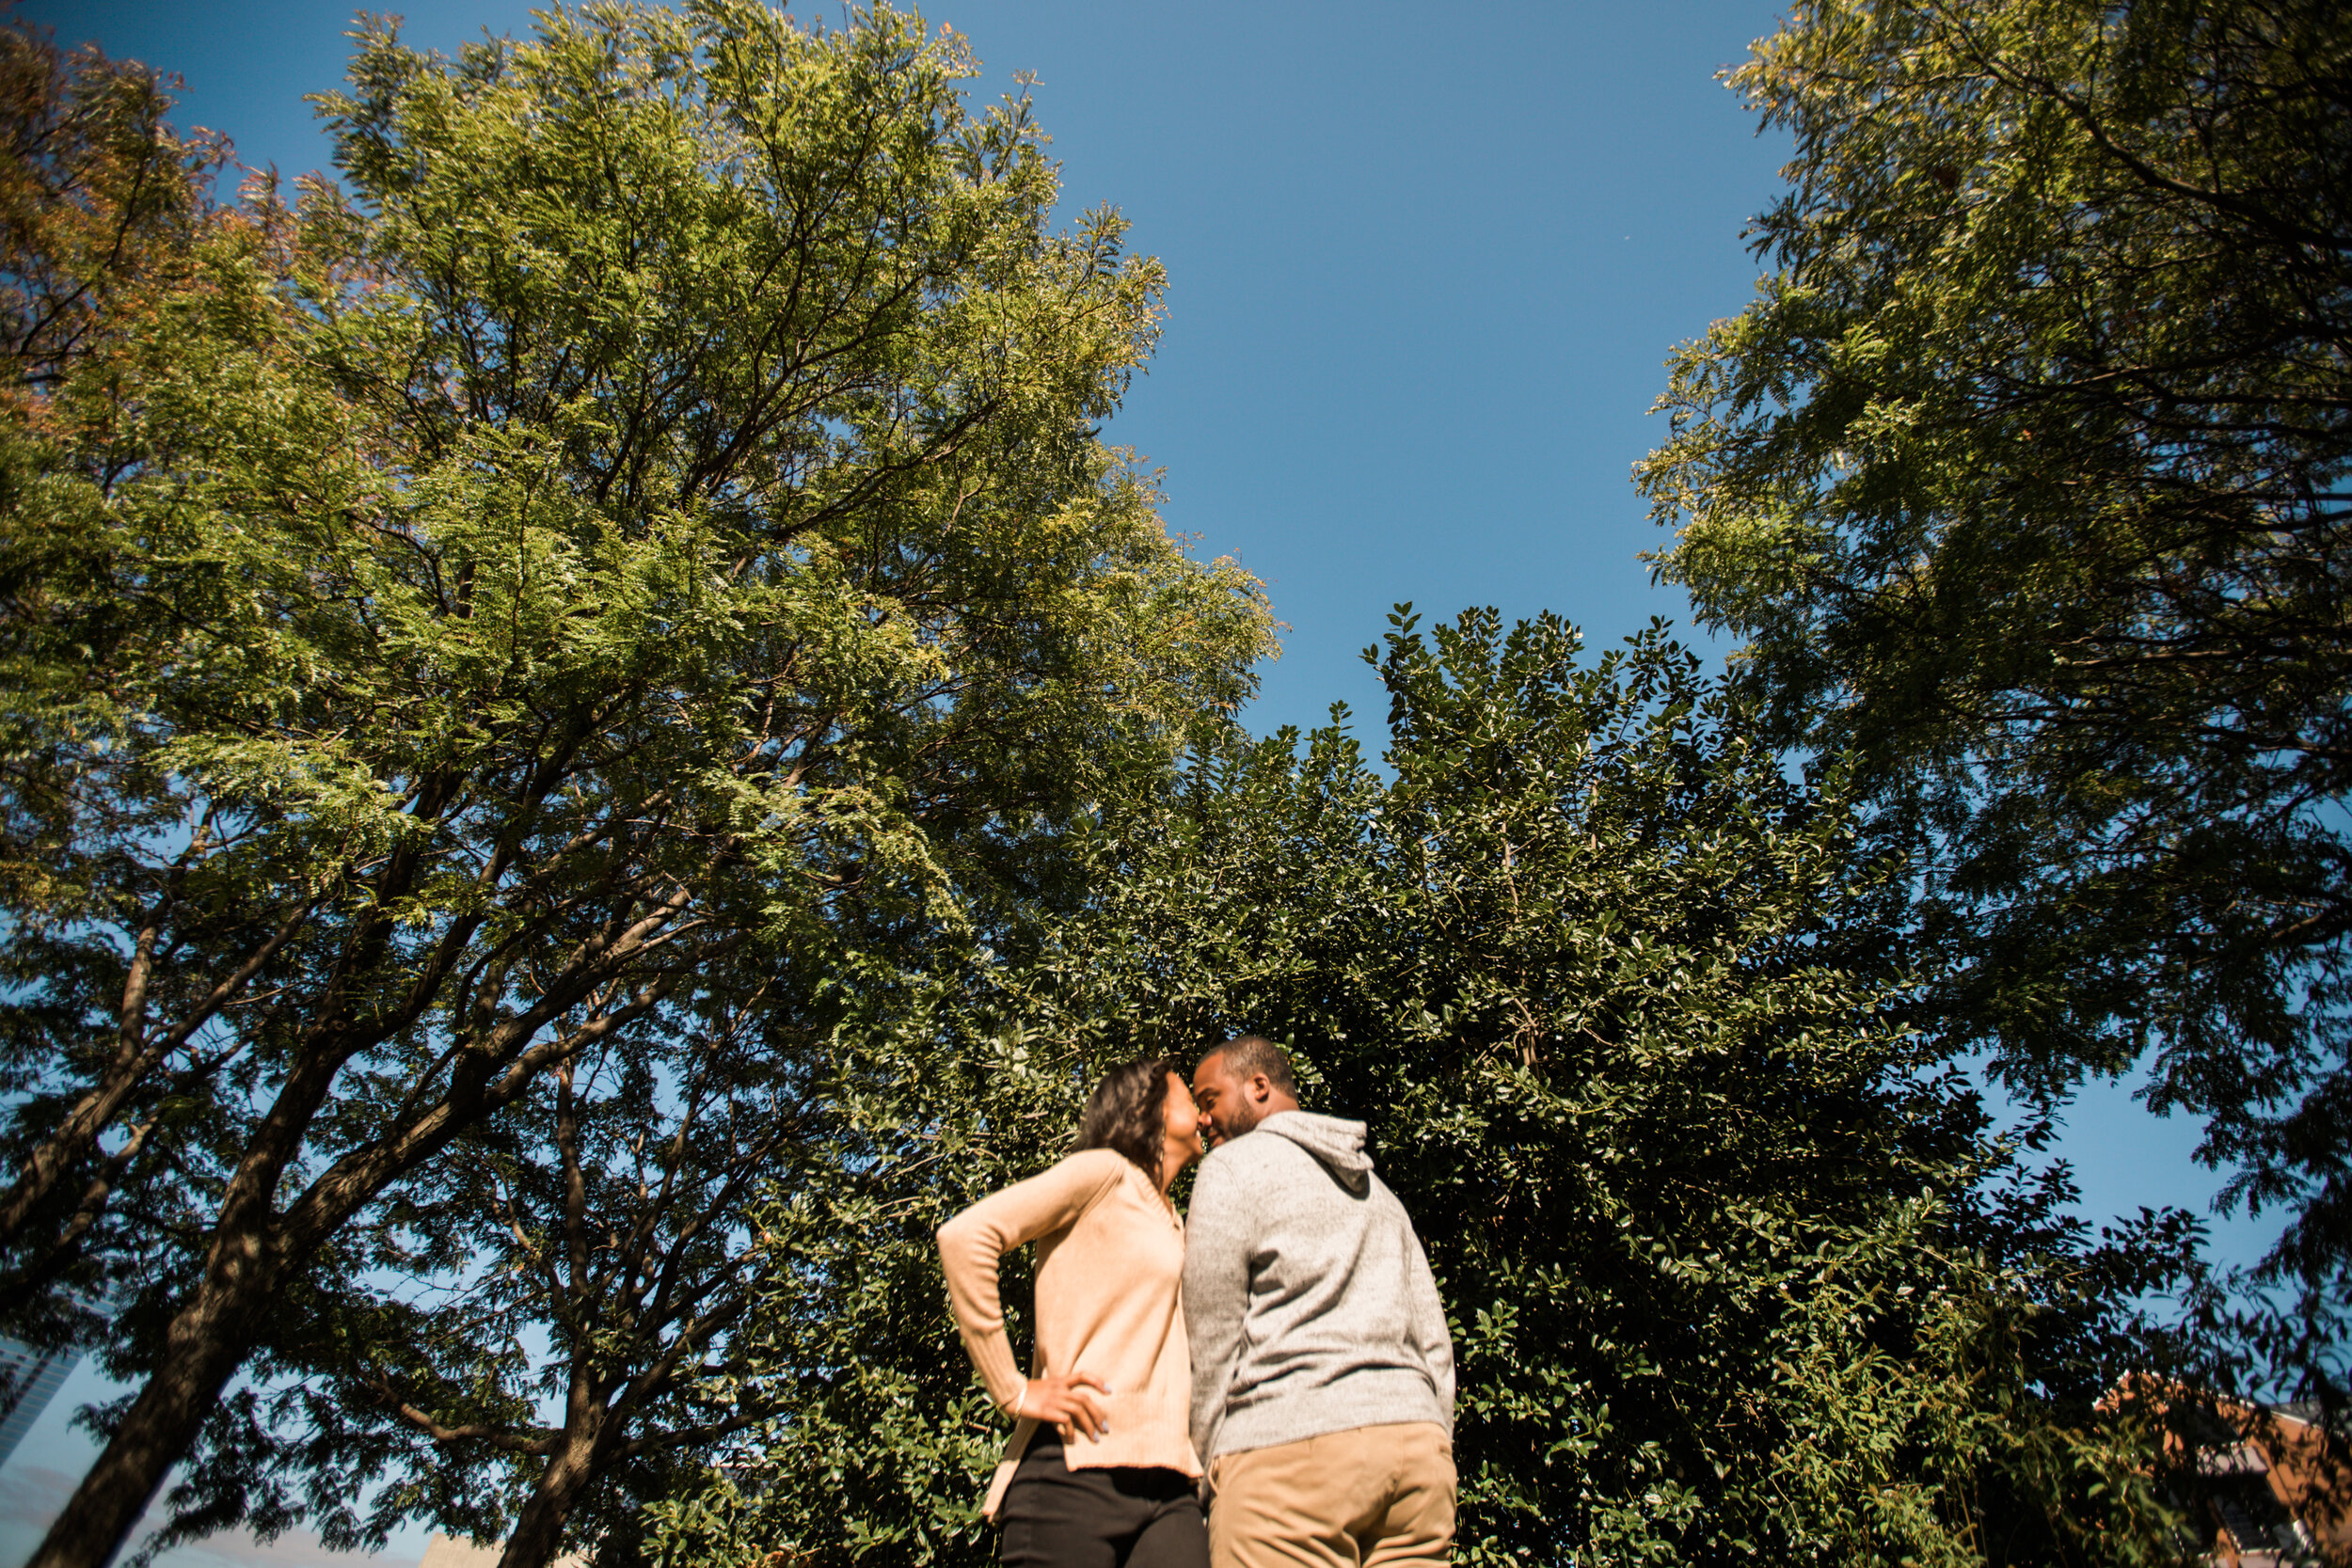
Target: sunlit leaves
point(2022, 477)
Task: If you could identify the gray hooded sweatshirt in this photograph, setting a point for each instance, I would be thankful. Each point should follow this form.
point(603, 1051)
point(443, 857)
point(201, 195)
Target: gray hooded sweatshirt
point(1308, 1299)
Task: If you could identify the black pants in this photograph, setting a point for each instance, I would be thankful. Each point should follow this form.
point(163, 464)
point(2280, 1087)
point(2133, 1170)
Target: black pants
point(1058, 1517)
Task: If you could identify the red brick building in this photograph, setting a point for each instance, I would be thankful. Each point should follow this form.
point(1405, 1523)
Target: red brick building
point(2272, 1485)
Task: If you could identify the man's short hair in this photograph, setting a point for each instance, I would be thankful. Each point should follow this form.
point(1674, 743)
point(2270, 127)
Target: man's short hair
point(1246, 1055)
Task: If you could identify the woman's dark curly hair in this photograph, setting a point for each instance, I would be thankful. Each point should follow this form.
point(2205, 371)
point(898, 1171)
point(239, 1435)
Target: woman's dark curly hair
point(1128, 1112)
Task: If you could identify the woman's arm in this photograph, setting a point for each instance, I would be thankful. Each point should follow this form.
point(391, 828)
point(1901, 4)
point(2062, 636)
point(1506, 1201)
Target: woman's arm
point(971, 1244)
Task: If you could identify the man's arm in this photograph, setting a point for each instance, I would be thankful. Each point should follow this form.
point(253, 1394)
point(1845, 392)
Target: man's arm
point(1432, 1340)
point(1217, 1239)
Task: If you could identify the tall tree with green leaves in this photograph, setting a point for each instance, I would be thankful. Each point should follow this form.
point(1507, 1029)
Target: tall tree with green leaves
point(648, 541)
point(2024, 477)
point(1735, 1271)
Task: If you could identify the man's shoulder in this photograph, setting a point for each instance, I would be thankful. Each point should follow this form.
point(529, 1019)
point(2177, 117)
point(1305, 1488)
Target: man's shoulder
point(1240, 1163)
point(1384, 1197)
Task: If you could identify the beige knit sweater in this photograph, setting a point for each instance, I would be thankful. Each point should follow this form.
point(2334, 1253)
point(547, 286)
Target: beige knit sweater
point(1110, 1267)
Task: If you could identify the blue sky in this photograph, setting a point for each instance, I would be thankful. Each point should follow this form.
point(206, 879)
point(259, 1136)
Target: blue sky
point(1424, 268)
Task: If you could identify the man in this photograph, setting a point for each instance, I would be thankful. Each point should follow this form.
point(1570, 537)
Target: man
point(1322, 1371)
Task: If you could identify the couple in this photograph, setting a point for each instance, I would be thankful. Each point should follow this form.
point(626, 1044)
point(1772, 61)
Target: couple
point(1293, 1344)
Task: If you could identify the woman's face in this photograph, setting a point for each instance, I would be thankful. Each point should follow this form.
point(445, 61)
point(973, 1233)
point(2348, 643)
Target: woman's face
point(1183, 1135)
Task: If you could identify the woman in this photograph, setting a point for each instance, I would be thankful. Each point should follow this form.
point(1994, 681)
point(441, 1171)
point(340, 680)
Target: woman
point(1099, 1472)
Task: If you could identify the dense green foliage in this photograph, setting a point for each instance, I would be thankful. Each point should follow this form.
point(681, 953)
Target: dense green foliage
point(2024, 478)
point(641, 550)
point(1734, 1271)
point(592, 741)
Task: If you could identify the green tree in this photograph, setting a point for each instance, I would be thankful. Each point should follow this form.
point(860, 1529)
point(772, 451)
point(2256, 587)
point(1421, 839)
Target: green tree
point(649, 542)
point(1735, 1272)
point(2024, 478)
point(100, 205)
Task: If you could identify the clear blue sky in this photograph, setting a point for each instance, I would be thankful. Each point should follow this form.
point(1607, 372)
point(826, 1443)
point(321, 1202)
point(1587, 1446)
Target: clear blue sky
point(1424, 265)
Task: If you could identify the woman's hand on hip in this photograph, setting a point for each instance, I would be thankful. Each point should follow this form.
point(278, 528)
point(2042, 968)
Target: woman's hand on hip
point(1075, 1400)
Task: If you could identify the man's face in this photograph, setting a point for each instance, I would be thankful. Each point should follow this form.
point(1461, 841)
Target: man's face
point(1228, 1109)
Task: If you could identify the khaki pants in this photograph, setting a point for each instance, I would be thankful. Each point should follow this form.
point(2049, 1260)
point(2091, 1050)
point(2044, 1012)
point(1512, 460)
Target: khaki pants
point(1346, 1499)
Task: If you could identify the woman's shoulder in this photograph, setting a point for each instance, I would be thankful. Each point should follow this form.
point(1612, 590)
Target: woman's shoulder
point(1098, 1173)
point(1068, 1188)
point(1102, 1167)
point(1106, 1181)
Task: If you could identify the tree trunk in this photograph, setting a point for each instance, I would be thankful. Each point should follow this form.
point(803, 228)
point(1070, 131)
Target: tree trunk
point(589, 1438)
point(206, 1344)
point(209, 1339)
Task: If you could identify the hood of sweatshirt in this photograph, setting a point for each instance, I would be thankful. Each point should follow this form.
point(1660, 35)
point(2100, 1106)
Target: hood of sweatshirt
point(1338, 1144)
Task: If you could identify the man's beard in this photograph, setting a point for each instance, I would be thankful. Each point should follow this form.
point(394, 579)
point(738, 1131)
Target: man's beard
point(1243, 1120)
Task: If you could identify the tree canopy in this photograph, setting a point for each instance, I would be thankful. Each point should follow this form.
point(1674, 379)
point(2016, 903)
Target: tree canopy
point(2022, 478)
